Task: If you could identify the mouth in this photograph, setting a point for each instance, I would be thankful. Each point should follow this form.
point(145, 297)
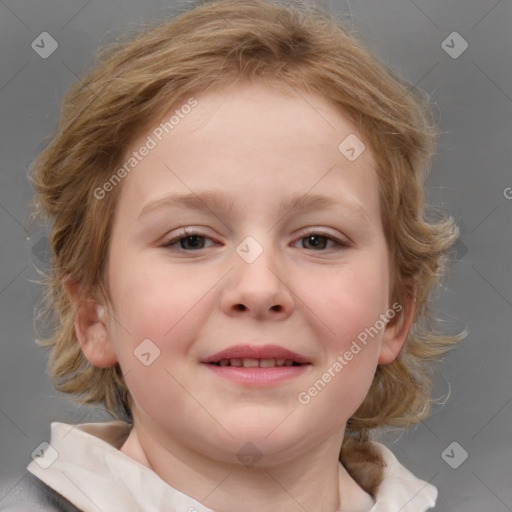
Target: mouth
point(249, 362)
point(253, 356)
point(257, 365)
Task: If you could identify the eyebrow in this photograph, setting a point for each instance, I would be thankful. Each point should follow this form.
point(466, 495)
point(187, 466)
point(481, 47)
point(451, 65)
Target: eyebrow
point(218, 202)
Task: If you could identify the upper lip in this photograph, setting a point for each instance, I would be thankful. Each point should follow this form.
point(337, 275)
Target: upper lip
point(256, 352)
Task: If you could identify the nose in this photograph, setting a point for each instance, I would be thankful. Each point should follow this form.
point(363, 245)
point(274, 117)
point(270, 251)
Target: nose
point(258, 289)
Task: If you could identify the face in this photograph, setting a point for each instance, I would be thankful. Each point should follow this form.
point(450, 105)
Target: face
point(246, 240)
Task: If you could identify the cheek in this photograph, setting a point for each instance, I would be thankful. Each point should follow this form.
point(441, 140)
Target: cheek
point(346, 302)
point(160, 313)
point(345, 313)
point(161, 317)
point(153, 299)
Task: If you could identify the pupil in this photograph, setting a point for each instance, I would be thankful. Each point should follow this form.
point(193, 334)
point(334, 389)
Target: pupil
point(192, 241)
point(316, 241)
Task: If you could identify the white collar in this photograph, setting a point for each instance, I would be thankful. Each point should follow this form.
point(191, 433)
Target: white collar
point(93, 474)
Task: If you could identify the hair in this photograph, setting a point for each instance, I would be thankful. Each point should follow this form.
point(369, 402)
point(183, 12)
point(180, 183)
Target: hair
point(212, 45)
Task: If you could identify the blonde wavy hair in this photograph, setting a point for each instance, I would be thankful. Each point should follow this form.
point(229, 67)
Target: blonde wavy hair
point(210, 45)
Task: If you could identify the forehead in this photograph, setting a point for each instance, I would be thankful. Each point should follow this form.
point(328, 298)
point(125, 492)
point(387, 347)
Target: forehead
point(237, 111)
point(251, 137)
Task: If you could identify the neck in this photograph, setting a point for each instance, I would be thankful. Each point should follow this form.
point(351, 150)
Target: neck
point(314, 480)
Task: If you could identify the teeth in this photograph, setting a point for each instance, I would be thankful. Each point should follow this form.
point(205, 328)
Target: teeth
point(249, 362)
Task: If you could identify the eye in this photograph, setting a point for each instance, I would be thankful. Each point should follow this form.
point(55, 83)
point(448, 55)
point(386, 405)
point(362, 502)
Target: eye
point(320, 242)
point(191, 241)
point(188, 241)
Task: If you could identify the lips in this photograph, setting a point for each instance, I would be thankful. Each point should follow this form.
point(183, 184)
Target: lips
point(253, 356)
point(258, 366)
point(248, 362)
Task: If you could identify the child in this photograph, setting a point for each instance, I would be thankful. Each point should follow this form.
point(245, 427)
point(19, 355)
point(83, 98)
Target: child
point(241, 271)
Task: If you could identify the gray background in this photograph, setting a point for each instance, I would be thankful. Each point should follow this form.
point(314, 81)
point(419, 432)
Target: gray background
point(471, 173)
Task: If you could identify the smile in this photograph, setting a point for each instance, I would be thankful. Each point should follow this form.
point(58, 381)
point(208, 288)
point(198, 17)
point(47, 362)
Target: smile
point(249, 362)
point(257, 365)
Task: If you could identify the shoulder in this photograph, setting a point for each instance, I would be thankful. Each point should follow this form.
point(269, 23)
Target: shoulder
point(400, 489)
point(31, 494)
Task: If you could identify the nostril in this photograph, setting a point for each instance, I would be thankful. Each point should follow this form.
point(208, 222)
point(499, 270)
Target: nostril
point(242, 307)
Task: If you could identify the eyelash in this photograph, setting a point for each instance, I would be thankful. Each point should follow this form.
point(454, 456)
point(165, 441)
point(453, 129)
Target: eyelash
point(340, 244)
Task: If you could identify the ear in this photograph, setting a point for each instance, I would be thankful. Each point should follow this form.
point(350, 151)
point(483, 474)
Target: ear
point(91, 326)
point(397, 329)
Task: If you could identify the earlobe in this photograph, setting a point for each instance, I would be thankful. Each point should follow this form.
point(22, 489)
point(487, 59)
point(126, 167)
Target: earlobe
point(397, 330)
point(91, 326)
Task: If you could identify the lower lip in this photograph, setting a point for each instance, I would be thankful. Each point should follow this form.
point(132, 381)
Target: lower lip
point(258, 376)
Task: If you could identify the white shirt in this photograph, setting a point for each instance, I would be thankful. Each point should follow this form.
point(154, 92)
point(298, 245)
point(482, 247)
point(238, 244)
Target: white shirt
point(84, 464)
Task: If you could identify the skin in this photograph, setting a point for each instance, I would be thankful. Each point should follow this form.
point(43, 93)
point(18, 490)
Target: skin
point(259, 146)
